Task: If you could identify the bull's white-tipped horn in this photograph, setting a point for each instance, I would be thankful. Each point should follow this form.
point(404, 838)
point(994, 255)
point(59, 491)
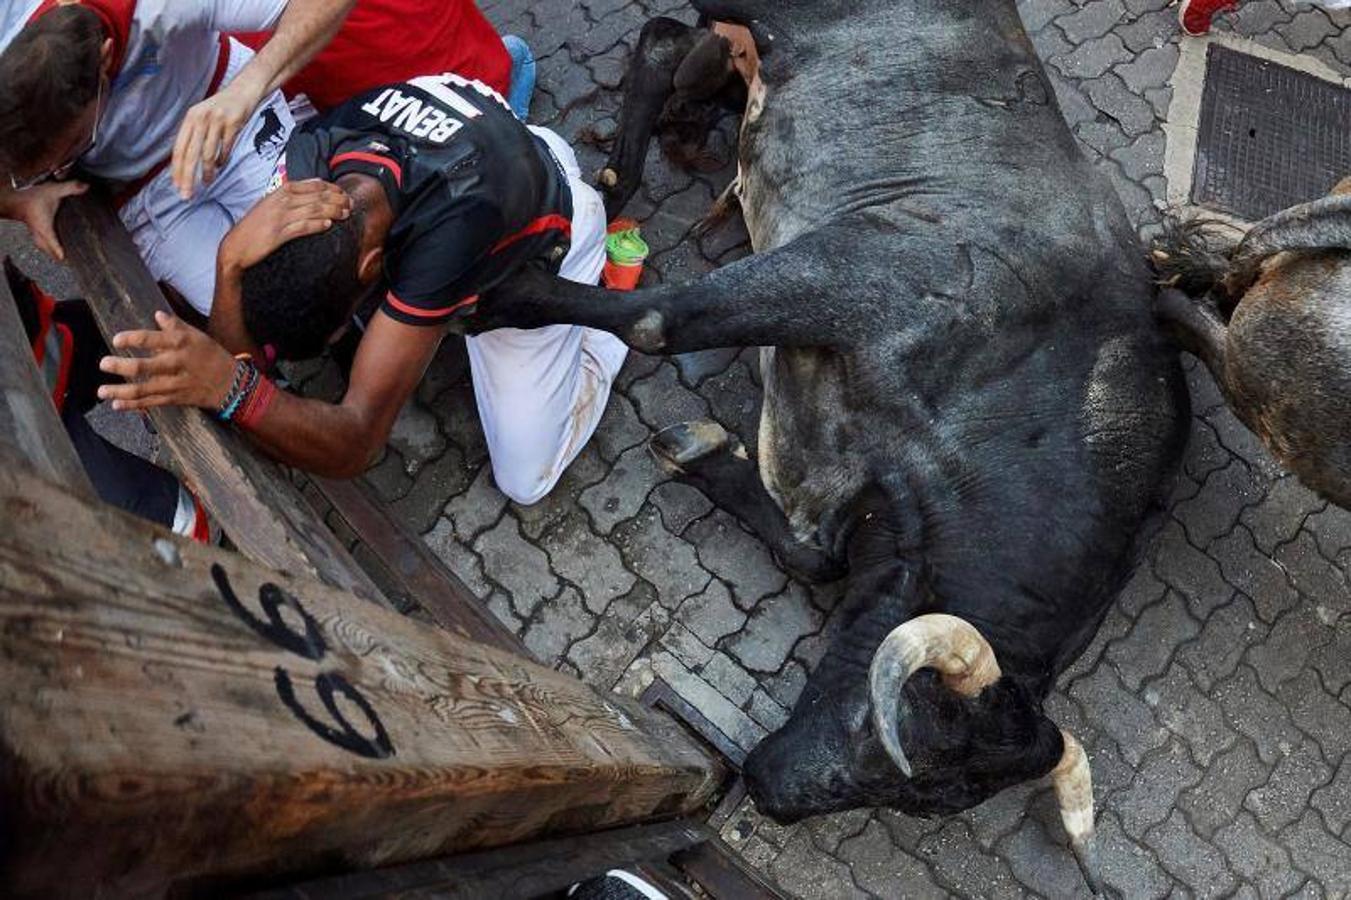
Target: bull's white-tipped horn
point(951, 645)
point(1074, 790)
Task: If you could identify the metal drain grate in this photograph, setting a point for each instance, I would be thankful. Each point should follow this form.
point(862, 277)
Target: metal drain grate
point(1270, 136)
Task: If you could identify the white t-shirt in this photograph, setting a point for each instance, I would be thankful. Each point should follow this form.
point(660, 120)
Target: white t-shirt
point(173, 47)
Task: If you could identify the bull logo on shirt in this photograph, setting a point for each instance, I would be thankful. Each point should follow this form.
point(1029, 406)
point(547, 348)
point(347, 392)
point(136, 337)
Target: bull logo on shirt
point(270, 137)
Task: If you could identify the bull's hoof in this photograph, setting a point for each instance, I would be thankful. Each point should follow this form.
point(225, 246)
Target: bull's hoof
point(679, 447)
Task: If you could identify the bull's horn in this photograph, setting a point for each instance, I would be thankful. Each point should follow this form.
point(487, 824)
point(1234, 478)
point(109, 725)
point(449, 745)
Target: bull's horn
point(607, 177)
point(951, 645)
point(1074, 790)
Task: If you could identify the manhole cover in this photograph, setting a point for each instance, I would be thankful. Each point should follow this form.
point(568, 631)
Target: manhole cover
point(1270, 136)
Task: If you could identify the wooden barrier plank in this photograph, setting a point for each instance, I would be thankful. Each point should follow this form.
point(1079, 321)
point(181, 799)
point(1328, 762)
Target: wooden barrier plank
point(249, 496)
point(29, 424)
point(176, 713)
point(526, 870)
point(422, 576)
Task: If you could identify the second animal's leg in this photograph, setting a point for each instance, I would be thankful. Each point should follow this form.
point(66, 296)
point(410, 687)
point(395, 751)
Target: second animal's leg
point(662, 47)
point(704, 455)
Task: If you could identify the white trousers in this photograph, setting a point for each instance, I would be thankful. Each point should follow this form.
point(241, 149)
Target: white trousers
point(541, 392)
point(178, 238)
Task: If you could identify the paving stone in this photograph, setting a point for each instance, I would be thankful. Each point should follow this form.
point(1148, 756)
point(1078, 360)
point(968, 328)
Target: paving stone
point(558, 623)
point(499, 604)
point(1214, 801)
point(623, 491)
point(1258, 576)
point(1333, 800)
point(737, 557)
point(735, 402)
point(725, 715)
point(1286, 794)
point(517, 565)
point(587, 470)
point(617, 641)
point(1148, 649)
point(1320, 854)
point(586, 560)
point(437, 482)
point(786, 685)
point(1074, 106)
point(1241, 442)
point(1331, 529)
point(662, 400)
point(1092, 58)
point(1092, 20)
point(1037, 14)
point(388, 477)
point(1041, 863)
point(667, 562)
point(468, 514)
point(1306, 30)
point(1283, 654)
point(1101, 135)
point(1214, 512)
point(1333, 660)
point(1277, 519)
point(1160, 100)
point(810, 873)
point(711, 615)
point(1193, 861)
point(1150, 30)
point(767, 711)
point(1193, 574)
point(1190, 714)
point(1314, 576)
point(1126, 866)
point(879, 868)
point(1257, 858)
point(1151, 69)
point(1119, 713)
point(959, 864)
point(458, 557)
point(695, 367)
point(416, 437)
point(1144, 157)
point(1257, 714)
point(679, 505)
point(775, 625)
point(1258, 18)
point(1050, 44)
point(686, 646)
point(728, 679)
point(1152, 796)
point(1128, 109)
point(620, 429)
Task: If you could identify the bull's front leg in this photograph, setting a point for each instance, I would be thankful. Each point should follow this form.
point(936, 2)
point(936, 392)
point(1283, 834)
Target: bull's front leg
point(808, 293)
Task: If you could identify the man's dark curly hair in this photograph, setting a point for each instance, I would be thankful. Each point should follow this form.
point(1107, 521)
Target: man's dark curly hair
point(49, 74)
point(297, 298)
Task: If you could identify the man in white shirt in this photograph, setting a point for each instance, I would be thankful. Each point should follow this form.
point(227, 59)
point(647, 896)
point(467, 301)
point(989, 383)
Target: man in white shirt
point(152, 96)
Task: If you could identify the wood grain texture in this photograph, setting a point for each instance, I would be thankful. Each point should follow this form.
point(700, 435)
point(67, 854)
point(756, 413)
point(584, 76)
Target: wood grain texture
point(420, 574)
point(29, 425)
point(249, 496)
point(144, 737)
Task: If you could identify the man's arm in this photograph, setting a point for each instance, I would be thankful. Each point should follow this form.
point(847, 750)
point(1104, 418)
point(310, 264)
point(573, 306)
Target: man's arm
point(186, 368)
point(209, 129)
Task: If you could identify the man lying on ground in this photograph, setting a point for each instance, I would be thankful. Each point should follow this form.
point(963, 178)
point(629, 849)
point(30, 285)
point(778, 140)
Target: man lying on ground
point(432, 191)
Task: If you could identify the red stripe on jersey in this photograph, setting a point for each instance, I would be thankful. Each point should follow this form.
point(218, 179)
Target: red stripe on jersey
point(116, 16)
point(372, 158)
point(543, 223)
point(427, 313)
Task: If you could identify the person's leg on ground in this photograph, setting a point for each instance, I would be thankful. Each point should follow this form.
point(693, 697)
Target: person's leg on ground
point(542, 392)
point(522, 75)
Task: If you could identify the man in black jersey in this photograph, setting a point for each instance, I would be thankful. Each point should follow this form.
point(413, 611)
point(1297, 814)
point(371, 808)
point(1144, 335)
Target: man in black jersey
point(431, 192)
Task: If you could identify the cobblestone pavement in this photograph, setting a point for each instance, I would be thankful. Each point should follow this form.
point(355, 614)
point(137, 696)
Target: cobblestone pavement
point(1216, 700)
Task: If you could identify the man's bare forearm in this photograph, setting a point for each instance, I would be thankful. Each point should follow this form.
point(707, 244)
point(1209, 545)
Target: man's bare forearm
point(327, 439)
point(304, 29)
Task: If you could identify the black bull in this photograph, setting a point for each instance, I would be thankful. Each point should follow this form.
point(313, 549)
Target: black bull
point(967, 403)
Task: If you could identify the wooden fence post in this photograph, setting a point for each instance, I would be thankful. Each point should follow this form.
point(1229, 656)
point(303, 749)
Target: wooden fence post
point(175, 714)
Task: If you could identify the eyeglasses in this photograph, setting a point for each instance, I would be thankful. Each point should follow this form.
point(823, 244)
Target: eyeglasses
point(58, 172)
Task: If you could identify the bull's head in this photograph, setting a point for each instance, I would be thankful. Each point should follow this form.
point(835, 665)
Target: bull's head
point(931, 726)
point(1272, 322)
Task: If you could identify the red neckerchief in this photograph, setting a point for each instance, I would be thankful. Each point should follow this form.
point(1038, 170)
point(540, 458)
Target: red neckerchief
point(116, 16)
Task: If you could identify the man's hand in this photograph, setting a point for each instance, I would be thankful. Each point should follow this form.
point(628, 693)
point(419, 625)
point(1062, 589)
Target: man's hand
point(183, 367)
point(295, 209)
point(36, 208)
point(208, 134)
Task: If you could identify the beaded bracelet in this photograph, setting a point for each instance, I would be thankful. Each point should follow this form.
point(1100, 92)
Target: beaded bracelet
point(243, 385)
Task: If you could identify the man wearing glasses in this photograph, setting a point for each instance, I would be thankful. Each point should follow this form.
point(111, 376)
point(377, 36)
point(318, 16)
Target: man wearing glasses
point(151, 96)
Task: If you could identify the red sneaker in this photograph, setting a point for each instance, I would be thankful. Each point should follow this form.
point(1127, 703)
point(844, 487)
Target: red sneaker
point(1195, 15)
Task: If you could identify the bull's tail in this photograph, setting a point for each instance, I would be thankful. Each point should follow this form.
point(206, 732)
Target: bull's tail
point(1194, 255)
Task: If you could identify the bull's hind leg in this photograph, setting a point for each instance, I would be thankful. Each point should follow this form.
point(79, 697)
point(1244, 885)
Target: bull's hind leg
point(663, 46)
point(704, 455)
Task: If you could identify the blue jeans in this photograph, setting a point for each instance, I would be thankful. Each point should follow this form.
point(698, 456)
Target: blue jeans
point(522, 75)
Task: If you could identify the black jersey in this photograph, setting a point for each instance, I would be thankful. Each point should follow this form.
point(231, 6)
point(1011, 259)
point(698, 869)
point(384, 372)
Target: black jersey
point(475, 194)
